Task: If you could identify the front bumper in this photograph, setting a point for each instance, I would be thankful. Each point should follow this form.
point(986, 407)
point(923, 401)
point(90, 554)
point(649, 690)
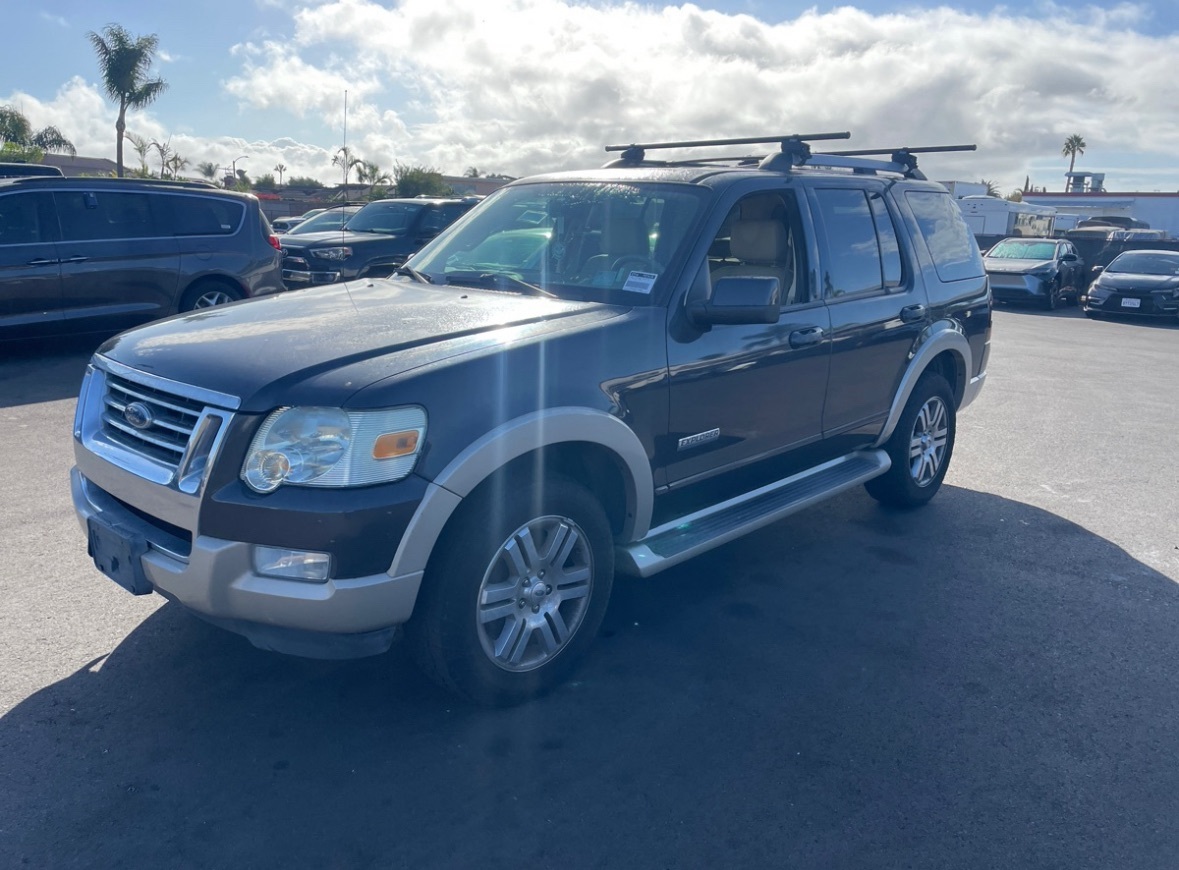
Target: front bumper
point(216, 579)
point(1152, 305)
point(1012, 287)
point(295, 278)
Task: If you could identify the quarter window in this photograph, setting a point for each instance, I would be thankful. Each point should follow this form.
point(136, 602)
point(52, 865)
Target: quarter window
point(954, 251)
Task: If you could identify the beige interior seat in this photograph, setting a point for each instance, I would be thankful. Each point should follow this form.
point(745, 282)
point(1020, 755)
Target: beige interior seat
point(763, 248)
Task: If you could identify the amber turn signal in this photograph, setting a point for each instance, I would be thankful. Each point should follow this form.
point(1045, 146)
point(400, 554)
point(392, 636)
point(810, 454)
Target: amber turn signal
point(394, 444)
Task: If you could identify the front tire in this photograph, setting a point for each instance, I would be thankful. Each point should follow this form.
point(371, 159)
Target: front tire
point(920, 447)
point(516, 592)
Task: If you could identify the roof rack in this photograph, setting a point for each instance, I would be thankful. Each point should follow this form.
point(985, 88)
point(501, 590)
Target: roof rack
point(794, 152)
point(793, 145)
point(904, 159)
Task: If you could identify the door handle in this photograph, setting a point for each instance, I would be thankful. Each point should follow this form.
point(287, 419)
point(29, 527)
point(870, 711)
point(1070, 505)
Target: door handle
point(806, 337)
point(911, 313)
point(41, 261)
point(75, 260)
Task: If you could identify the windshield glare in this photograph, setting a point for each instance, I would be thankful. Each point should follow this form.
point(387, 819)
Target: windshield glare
point(328, 220)
point(384, 217)
point(1145, 264)
point(1023, 251)
point(580, 240)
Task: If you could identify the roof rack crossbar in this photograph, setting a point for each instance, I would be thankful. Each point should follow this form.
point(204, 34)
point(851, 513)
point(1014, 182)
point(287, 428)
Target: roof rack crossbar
point(903, 156)
point(790, 143)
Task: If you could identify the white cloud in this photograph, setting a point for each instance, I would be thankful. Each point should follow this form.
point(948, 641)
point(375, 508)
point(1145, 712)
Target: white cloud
point(523, 86)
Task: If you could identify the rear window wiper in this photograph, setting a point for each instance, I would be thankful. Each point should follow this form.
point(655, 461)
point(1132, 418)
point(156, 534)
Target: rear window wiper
point(497, 281)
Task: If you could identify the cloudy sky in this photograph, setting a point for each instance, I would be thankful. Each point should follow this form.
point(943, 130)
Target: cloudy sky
point(522, 86)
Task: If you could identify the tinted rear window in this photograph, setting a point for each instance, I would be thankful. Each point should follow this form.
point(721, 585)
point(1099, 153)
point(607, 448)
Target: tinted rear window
point(205, 215)
point(948, 239)
point(88, 215)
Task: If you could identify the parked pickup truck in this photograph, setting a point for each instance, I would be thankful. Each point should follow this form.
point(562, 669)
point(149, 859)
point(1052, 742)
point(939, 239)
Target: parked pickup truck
point(592, 372)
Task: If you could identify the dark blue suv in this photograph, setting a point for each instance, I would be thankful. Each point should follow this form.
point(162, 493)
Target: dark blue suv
point(593, 372)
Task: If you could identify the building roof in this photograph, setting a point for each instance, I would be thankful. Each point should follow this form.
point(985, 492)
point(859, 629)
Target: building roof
point(81, 165)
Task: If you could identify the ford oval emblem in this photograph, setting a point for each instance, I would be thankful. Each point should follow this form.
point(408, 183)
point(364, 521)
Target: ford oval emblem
point(138, 415)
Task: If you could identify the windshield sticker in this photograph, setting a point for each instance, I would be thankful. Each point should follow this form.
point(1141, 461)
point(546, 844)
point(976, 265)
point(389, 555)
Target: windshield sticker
point(640, 282)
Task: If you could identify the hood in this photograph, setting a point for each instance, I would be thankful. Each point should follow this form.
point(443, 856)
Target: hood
point(332, 237)
point(1008, 265)
point(1137, 281)
point(338, 339)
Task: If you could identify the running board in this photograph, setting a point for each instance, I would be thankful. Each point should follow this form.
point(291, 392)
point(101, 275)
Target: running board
point(688, 536)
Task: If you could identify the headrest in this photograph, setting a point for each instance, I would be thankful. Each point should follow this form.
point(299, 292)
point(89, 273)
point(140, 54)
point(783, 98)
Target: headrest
point(760, 242)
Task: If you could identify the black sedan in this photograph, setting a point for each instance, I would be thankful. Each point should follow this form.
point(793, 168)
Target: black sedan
point(1044, 271)
point(1136, 282)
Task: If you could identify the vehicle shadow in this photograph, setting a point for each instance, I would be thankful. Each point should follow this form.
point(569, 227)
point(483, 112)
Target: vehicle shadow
point(977, 684)
point(45, 370)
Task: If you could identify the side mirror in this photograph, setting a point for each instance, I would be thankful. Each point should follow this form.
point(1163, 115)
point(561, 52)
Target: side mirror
point(1069, 258)
point(739, 300)
point(1097, 270)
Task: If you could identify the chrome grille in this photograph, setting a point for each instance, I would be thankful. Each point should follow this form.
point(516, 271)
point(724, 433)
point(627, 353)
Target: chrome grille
point(171, 419)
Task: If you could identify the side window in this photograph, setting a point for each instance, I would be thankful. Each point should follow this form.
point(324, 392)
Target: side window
point(950, 244)
point(757, 239)
point(22, 222)
point(437, 219)
point(855, 263)
point(95, 215)
point(205, 215)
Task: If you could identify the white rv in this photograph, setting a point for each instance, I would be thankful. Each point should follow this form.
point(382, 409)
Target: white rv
point(991, 216)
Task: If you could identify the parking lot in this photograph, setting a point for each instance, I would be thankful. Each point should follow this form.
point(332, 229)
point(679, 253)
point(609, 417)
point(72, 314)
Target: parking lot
point(990, 681)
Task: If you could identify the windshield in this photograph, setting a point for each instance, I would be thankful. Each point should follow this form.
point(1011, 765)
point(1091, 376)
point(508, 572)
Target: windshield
point(1146, 264)
point(577, 240)
point(1014, 250)
point(384, 217)
point(328, 220)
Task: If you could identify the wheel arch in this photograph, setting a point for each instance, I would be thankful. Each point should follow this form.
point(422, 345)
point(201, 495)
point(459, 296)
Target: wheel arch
point(945, 350)
point(207, 279)
point(591, 447)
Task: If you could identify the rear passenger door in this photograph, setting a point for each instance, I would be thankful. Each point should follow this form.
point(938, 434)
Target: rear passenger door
point(119, 259)
point(30, 277)
point(878, 307)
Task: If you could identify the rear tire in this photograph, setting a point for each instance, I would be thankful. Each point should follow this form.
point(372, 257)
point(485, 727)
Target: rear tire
point(209, 294)
point(920, 447)
point(516, 591)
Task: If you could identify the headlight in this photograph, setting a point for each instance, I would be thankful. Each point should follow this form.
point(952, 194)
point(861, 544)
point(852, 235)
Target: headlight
point(333, 447)
point(1044, 271)
point(341, 253)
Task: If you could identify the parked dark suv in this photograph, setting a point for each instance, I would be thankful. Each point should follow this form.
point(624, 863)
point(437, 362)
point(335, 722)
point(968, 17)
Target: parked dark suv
point(374, 242)
point(102, 254)
point(598, 371)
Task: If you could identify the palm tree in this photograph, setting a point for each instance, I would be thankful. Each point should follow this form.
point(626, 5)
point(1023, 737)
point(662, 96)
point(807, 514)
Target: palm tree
point(208, 170)
point(280, 168)
point(165, 151)
point(176, 164)
point(15, 128)
point(124, 62)
point(370, 173)
point(345, 160)
point(1073, 146)
point(141, 146)
point(992, 188)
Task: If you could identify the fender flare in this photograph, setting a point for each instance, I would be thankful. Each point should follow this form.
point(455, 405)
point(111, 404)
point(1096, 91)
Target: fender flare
point(509, 441)
point(946, 338)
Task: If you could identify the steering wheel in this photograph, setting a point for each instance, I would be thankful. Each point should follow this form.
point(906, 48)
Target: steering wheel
point(646, 264)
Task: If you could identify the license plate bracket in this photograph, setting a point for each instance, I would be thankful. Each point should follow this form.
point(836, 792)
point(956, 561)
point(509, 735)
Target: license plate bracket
point(117, 552)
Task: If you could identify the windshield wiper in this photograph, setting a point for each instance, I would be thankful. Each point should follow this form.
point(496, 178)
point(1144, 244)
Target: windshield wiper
point(420, 277)
point(498, 281)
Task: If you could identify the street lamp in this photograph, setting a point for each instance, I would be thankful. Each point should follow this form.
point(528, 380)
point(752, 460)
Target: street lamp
point(234, 166)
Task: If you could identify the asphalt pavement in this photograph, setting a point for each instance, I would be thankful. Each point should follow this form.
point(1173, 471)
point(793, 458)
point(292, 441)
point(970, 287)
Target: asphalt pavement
point(990, 681)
